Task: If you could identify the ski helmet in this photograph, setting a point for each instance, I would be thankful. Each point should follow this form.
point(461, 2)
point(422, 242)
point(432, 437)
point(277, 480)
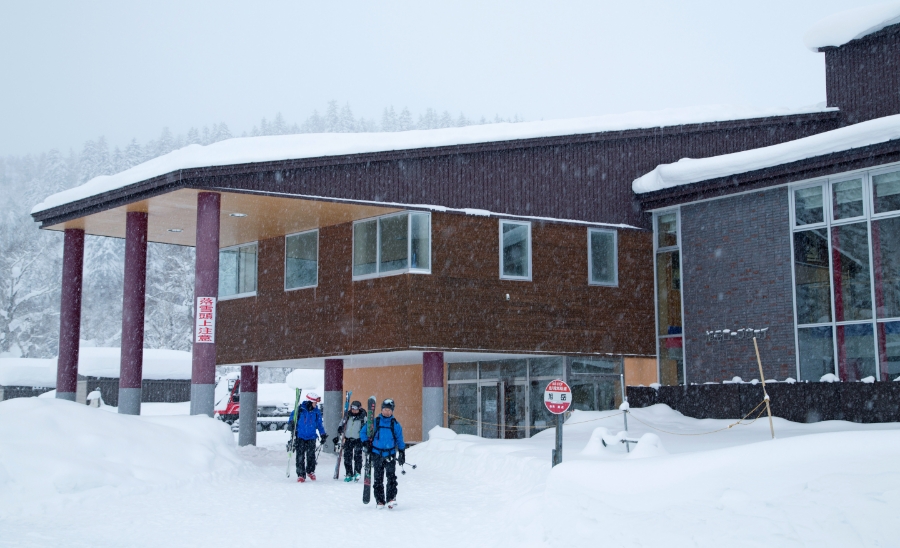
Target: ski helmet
point(313, 397)
point(389, 403)
point(356, 404)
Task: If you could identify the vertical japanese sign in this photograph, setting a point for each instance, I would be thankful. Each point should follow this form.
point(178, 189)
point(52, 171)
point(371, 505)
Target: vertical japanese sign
point(205, 326)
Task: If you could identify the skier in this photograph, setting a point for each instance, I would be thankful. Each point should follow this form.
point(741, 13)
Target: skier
point(353, 422)
point(386, 449)
point(307, 424)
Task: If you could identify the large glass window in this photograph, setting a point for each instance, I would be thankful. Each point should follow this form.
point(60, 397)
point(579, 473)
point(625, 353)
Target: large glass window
point(670, 343)
point(237, 271)
point(816, 350)
point(850, 257)
point(808, 206)
point(886, 262)
point(602, 257)
point(847, 276)
point(462, 408)
point(392, 244)
point(515, 250)
point(811, 276)
point(886, 192)
point(301, 260)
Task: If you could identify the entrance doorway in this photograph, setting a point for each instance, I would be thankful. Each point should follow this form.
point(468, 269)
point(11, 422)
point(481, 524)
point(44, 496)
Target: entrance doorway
point(503, 409)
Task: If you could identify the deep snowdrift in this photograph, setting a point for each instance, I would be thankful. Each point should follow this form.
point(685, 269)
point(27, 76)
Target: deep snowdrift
point(842, 27)
point(56, 451)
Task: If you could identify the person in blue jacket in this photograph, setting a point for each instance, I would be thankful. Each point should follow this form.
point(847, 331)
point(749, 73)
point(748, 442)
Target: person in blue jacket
point(386, 448)
point(308, 423)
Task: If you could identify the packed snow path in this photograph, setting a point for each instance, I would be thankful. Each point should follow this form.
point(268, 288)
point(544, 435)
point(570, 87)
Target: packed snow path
point(75, 476)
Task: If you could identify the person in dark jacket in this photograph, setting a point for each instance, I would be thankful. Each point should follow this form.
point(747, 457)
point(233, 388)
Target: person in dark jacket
point(386, 448)
point(308, 423)
point(353, 422)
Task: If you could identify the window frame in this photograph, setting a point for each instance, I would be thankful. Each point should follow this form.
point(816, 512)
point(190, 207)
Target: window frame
point(615, 234)
point(830, 224)
point(528, 276)
point(408, 269)
point(286, 236)
point(246, 294)
point(657, 251)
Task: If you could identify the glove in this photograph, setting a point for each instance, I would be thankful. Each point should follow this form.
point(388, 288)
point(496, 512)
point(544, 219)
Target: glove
point(401, 457)
point(289, 446)
point(323, 438)
point(340, 430)
point(290, 427)
point(335, 441)
point(368, 446)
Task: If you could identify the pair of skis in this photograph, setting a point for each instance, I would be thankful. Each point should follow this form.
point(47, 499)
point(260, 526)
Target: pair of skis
point(370, 433)
point(293, 432)
point(337, 465)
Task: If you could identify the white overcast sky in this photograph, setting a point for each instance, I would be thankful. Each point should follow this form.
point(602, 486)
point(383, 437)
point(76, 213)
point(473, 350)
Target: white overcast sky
point(73, 71)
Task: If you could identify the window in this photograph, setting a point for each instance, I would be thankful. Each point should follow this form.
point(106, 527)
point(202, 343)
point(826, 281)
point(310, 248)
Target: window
point(301, 260)
point(392, 244)
point(602, 257)
point(847, 276)
point(515, 250)
point(670, 345)
point(237, 271)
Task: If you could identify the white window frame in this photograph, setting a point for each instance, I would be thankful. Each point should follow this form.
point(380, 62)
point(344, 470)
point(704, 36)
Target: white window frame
point(247, 293)
point(408, 269)
point(526, 278)
point(286, 288)
point(868, 217)
point(615, 234)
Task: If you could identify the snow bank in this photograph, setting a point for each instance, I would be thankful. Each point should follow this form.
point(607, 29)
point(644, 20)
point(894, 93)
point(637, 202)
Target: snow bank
point(689, 170)
point(292, 147)
point(274, 394)
point(840, 28)
point(158, 364)
point(55, 450)
point(28, 372)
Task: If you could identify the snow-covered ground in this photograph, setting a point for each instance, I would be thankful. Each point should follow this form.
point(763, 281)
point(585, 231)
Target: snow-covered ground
point(71, 475)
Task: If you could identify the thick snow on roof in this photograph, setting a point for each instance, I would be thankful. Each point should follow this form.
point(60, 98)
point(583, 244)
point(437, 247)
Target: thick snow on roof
point(688, 170)
point(840, 28)
point(292, 147)
point(94, 362)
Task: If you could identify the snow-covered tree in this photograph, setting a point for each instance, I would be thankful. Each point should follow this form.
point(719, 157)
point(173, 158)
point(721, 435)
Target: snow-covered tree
point(405, 120)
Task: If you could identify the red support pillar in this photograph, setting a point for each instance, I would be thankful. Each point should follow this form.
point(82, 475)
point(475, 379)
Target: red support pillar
point(248, 409)
point(70, 314)
point(432, 391)
point(334, 395)
point(131, 365)
point(206, 289)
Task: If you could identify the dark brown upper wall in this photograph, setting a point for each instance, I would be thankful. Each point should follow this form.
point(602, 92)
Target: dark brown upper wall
point(577, 177)
point(461, 305)
point(863, 76)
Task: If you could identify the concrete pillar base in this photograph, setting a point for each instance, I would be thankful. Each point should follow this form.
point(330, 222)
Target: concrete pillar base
point(203, 398)
point(333, 406)
point(432, 409)
point(65, 396)
point(247, 416)
point(130, 401)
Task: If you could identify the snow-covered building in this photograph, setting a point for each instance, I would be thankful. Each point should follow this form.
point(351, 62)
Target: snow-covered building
point(457, 270)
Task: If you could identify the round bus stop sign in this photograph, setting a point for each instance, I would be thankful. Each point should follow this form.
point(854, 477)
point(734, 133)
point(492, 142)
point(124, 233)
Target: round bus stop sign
point(557, 397)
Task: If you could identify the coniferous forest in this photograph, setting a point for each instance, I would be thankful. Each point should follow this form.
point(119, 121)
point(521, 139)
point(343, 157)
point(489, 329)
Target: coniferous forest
point(30, 259)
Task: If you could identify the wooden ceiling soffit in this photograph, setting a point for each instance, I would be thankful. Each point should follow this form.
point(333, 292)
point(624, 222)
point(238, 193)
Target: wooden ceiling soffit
point(173, 217)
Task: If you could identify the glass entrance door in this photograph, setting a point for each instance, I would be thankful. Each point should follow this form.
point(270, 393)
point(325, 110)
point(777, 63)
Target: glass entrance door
point(515, 409)
point(489, 412)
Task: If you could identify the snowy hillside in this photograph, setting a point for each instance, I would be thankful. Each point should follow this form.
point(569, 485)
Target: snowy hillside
point(75, 476)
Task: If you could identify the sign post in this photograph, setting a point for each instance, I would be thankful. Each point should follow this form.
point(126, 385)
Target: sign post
point(557, 399)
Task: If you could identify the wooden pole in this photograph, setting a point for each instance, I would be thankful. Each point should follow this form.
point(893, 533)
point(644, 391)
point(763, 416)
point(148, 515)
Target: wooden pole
point(762, 377)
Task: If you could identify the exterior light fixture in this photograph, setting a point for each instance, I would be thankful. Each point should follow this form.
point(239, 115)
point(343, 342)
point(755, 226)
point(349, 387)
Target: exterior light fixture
point(237, 214)
point(175, 230)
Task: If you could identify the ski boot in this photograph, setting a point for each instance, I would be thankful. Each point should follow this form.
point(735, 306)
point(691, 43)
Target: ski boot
point(356, 478)
point(379, 506)
point(312, 477)
point(301, 479)
point(391, 504)
point(348, 479)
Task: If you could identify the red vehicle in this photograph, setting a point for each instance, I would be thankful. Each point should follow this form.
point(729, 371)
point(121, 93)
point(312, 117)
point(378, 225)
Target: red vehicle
point(270, 416)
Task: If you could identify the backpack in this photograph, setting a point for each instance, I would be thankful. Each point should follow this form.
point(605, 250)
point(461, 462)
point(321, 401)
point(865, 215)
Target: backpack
point(378, 426)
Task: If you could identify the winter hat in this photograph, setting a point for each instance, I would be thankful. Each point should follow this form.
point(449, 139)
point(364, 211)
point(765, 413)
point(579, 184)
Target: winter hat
point(313, 397)
point(388, 403)
point(356, 404)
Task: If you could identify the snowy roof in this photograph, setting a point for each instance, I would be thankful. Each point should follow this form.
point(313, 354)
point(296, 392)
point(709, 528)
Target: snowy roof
point(840, 28)
point(689, 170)
point(246, 150)
point(94, 362)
